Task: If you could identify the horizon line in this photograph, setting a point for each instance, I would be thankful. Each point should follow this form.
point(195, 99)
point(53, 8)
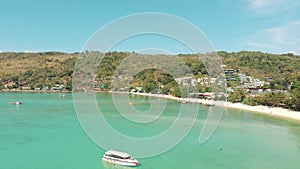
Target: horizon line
point(74, 52)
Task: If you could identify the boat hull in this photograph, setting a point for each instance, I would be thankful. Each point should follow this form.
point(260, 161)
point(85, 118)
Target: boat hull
point(15, 103)
point(131, 163)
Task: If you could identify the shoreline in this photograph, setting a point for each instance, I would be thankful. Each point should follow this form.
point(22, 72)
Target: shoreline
point(271, 111)
point(33, 91)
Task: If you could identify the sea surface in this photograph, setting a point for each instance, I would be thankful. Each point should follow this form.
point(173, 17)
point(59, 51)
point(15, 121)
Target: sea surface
point(44, 133)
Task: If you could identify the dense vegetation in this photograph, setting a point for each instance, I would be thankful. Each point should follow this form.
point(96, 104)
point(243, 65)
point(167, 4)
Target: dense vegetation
point(283, 69)
point(44, 70)
point(36, 70)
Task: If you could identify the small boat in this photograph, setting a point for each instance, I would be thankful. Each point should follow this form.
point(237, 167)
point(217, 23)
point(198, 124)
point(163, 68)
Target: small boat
point(15, 103)
point(119, 158)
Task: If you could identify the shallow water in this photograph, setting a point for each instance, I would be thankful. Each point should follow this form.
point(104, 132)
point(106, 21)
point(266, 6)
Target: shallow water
point(44, 132)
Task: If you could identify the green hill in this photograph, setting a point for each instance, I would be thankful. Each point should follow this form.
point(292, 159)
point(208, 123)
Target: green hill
point(45, 70)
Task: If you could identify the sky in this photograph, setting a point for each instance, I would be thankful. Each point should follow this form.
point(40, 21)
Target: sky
point(271, 26)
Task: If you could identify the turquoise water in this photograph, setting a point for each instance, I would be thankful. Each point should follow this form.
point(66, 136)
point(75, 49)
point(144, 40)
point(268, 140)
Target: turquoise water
point(44, 133)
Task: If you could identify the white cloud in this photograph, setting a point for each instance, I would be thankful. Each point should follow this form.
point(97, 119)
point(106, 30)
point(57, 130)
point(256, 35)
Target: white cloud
point(280, 39)
point(270, 7)
point(277, 39)
point(277, 34)
point(296, 23)
point(256, 4)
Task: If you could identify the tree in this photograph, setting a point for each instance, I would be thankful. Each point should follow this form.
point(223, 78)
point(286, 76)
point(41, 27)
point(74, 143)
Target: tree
point(237, 96)
point(150, 86)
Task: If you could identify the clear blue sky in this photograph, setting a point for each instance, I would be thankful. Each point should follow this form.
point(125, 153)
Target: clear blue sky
point(231, 25)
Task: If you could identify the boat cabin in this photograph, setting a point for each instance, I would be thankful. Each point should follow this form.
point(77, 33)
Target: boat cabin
point(117, 154)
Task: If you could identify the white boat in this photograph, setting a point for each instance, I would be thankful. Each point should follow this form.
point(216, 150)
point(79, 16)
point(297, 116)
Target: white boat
point(119, 158)
point(16, 103)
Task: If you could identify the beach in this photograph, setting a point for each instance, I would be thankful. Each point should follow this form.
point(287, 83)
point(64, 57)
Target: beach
point(272, 111)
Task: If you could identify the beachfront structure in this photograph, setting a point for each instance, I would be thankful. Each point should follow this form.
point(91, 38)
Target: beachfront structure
point(58, 87)
point(201, 95)
point(139, 89)
point(244, 78)
point(25, 88)
point(186, 81)
point(268, 79)
point(254, 84)
point(206, 81)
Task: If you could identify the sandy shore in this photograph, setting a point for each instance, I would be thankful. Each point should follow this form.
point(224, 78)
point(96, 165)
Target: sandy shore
point(272, 111)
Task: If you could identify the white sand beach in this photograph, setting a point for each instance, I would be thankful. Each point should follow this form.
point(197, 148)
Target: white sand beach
point(272, 111)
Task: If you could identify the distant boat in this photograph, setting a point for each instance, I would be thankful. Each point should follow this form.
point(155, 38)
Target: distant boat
point(120, 158)
point(15, 103)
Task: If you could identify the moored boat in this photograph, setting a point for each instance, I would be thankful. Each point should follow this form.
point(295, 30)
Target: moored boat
point(120, 158)
point(15, 103)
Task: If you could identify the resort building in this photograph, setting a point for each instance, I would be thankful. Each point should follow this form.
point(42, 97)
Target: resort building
point(231, 75)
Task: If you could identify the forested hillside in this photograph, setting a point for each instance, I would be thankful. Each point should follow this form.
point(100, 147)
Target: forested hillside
point(45, 70)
